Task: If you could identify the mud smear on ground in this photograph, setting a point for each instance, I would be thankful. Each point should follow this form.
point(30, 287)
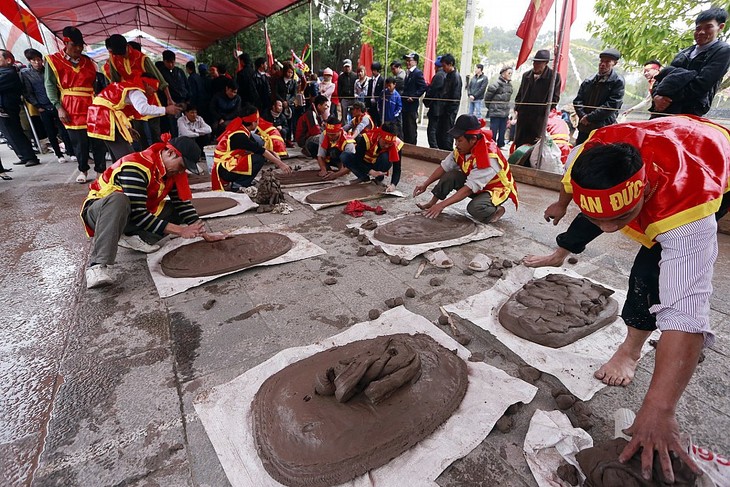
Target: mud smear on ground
point(255, 310)
point(185, 337)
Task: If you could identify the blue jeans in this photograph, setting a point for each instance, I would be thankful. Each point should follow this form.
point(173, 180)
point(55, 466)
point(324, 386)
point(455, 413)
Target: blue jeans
point(498, 126)
point(475, 108)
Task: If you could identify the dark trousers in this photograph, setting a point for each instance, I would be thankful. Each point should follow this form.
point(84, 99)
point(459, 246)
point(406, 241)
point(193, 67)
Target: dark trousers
point(480, 206)
point(13, 131)
point(432, 130)
point(356, 163)
point(498, 126)
point(118, 147)
point(81, 143)
point(446, 123)
point(410, 127)
point(53, 126)
point(242, 180)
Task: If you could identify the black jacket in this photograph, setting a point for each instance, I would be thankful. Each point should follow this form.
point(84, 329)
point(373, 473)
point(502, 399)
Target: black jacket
point(346, 86)
point(476, 86)
point(594, 92)
point(451, 91)
point(497, 98)
point(435, 107)
point(414, 87)
point(11, 87)
point(711, 66)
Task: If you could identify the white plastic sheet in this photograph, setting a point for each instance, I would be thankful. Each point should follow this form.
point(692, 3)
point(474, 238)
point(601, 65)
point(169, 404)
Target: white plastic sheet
point(225, 411)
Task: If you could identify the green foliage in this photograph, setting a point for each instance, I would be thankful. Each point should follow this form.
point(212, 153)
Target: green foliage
point(648, 29)
point(409, 21)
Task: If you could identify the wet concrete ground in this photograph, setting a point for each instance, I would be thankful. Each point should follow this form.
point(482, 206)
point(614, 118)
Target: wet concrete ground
point(97, 386)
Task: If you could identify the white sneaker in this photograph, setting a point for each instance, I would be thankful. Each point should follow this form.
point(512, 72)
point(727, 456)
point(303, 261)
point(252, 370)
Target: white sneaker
point(81, 178)
point(73, 159)
point(134, 242)
point(98, 276)
point(62, 160)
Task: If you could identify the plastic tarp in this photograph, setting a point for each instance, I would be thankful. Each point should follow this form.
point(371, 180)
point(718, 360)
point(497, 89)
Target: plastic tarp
point(188, 24)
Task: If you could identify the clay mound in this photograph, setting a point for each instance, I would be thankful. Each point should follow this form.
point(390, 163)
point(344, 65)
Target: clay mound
point(344, 193)
point(308, 439)
point(208, 206)
point(203, 258)
point(417, 229)
point(557, 310)
point(602, 469)
point(306, 176)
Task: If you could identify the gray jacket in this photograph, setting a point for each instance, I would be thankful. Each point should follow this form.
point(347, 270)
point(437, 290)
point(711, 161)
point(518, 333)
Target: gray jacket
point(497, 98)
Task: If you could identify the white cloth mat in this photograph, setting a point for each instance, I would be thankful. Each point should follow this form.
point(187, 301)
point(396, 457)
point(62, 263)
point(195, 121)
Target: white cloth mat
point(550, 441)
point(225, 411)
point(572, 364)
point(301, 196)
point(169, 286)
point(243, 202)
point(412, 251)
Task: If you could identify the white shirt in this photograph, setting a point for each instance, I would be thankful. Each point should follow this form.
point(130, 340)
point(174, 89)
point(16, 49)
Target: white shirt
point(477, 178)
point(186, 128)
point(138, 100)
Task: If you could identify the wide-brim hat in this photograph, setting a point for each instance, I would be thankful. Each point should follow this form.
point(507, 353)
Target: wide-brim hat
point(541, 56)
point(464, 124)
point(190, 152)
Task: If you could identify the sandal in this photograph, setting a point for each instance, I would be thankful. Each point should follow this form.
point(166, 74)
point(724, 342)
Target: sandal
point(4, 176)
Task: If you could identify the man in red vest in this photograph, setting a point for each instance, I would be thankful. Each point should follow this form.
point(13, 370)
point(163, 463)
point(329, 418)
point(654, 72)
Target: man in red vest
point(476, 169)
point(332, 144)
point(376, 153)
point(70, 87)
point(127, 205)
point(644, 179)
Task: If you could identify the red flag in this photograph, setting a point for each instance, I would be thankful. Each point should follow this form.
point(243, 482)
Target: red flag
point(571, 8)
point(530, 26)
point(366, 58)
point(269, 52)
point(433, 35)
point(21, 18)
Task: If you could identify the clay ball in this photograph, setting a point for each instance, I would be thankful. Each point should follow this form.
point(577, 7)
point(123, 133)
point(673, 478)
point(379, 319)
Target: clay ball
point(568, 473)
point(208, 304)
point(572, 260)
point(404, 262)
point(394, 259)
point(361, 251)
point(565, 401)
point(330, 281)
point(390, 303)
point(495, 273)
point(506, 263)
point(504, 424)
point(398, 301)
point(468, 272)
point(476, 357)
point(529, 374)
point(371, 252)
point(558, 391)
point(443, 320)
point(410, 293)
point(463, 339)
point(374, 314)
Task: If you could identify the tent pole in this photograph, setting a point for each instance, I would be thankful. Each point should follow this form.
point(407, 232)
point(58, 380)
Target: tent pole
point(311, 33)
point(386, 65)
point(551, 91)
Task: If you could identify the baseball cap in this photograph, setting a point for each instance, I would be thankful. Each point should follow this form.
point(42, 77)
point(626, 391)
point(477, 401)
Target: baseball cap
point(437, 62)
point(190, 152)
point(347, 62)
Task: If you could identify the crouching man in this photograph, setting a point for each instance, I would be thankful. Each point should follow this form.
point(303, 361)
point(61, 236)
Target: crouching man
point(476, 169)
point(240, 153)
point(127, 205)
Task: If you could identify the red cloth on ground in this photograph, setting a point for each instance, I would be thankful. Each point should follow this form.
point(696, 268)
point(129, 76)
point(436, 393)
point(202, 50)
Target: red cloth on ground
point(357, 208)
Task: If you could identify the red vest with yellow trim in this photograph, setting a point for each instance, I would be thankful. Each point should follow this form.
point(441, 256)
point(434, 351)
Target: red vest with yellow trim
point(687, 161)
point(131, 68)
point(339, 144)
point(502, 185)
point(110, 112)
point(357, 120)
point(273, 141)
point(238, 161)
point(373, 150)
point(76, 84)
point(158, 188)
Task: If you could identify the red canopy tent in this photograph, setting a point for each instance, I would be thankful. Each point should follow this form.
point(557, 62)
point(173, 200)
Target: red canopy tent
point(188, 24)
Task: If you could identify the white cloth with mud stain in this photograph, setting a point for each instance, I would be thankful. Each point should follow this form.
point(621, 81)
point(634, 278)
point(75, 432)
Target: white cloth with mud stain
point(410, 252)
point(243, 203)
point(573, 364)
point(301, 196)
point(225, 411)
point(552, 440)
point(169, 286)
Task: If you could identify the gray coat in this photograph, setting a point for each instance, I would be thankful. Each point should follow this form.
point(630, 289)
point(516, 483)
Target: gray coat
point(497, 98)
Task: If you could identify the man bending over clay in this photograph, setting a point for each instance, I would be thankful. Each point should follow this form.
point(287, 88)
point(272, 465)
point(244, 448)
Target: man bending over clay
point(127, 205)
point(644, 179)
point(476, 169)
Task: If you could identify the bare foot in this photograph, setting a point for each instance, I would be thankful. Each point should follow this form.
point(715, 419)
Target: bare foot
point(553, 260)
point(619, 370)
point(496, 215)
point(425, 206)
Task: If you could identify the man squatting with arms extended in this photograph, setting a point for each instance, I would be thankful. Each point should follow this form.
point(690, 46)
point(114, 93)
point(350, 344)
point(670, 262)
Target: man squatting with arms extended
point(644, 179)
point(129, 201)
point(476, 169)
